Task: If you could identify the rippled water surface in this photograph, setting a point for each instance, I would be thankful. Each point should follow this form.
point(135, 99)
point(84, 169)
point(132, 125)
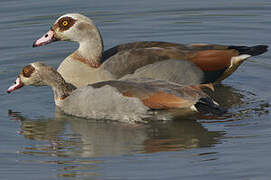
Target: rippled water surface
point(38, 142)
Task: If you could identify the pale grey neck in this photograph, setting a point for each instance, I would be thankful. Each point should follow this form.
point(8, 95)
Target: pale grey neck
point(91, 47)
point(60, 88)
point(61, 91)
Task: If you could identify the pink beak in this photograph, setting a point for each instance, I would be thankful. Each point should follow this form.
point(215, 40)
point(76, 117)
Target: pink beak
point(17, 85)
point(45, 39)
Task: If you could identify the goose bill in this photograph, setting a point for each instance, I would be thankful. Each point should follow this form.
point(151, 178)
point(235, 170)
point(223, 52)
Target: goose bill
point(45, 39)
point(17, 85)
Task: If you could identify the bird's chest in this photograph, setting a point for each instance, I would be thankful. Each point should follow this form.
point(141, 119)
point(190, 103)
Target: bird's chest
point(80, 74)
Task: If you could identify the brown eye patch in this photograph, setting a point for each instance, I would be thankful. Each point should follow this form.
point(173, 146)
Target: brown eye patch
point(28, 70)
point(65, 23)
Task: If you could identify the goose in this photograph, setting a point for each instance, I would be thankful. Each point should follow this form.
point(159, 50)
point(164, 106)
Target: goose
point(90, 63)
point(131, 100)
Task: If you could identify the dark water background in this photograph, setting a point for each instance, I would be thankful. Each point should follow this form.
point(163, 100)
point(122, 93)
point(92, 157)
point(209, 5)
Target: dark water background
point(37, 143)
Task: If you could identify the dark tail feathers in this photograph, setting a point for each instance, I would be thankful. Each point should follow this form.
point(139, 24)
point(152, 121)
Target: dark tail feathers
point(206, 105)
point(253, 50)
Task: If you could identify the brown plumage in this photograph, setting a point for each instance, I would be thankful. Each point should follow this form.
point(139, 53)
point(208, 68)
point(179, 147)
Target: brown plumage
point(208, 57)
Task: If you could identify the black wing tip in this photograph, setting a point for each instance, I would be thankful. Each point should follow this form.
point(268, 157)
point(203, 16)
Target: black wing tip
point(206, 105)
point(253, 50)
point(259, 49)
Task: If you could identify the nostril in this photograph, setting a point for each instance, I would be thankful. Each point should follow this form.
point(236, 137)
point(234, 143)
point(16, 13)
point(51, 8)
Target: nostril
point(46, 35)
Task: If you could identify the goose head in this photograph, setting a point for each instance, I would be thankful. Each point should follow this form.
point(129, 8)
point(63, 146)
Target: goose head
point(28, 76)
point(35, 74)
point(70, 27)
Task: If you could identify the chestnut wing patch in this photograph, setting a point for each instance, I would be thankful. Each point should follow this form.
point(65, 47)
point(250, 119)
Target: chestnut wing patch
point(213, 60)
point(163, 100)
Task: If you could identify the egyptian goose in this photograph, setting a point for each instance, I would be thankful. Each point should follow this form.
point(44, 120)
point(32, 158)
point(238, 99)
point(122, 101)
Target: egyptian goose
point(130, 100)
point(90, 63)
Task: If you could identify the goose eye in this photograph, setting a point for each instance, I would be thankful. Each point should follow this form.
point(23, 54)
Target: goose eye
point(65, 23)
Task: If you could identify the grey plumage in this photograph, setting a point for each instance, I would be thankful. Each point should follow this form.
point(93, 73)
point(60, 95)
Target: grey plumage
point(178, 71)
point(87, 102)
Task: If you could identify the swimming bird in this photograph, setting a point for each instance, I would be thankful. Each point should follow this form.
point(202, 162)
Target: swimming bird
point(90, 63)
point(129, 100)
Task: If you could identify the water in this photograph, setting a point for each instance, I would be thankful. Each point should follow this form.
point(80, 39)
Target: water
point(39, 143)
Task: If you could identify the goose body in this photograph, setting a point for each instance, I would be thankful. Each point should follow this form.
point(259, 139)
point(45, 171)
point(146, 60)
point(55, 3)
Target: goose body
point(90, 63)
point(123, 100)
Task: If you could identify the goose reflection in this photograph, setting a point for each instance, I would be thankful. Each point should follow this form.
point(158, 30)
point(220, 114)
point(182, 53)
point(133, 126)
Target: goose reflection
point(69, 136)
